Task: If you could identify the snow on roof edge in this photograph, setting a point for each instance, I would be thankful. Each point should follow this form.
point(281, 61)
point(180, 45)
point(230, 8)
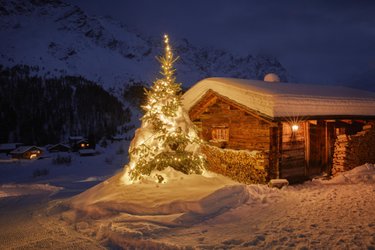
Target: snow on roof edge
point(23, 149)
point(285, 99)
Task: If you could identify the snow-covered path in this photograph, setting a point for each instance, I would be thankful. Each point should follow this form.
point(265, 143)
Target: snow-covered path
point(320, 214)
point(311, 216)
point(24, 224)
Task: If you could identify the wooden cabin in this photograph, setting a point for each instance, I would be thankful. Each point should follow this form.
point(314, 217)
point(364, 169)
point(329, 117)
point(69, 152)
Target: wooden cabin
point(60, 147)
point(79, 142)
point(295, 125)
point(27, 152)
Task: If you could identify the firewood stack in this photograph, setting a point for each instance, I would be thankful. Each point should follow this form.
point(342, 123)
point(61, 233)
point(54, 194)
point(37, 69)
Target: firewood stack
point(241, 165)
point(354, 150)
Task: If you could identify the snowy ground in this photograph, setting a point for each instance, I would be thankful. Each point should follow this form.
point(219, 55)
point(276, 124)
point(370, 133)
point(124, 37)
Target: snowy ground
point(22, 177)
point(332, 214)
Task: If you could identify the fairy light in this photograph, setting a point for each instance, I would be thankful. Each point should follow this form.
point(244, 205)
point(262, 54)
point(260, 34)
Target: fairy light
point(165, 143)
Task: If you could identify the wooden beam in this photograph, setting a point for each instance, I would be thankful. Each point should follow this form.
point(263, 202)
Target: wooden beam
point(207, 100)
point(347, 121)
point(280, 149)
point(212, 97)
point(360, 121)
point(307, 146)
point(315, 122)
point(328, 117)
point(247, 110)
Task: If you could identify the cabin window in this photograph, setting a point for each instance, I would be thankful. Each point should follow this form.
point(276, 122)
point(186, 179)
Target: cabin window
point(220, 133)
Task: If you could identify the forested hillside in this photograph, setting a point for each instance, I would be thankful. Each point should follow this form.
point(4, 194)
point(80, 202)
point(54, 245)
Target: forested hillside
point(41, 111)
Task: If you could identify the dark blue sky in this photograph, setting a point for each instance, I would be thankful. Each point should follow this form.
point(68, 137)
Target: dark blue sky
point(317, 41)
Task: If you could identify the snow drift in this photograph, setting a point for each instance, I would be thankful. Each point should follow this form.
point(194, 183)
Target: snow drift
point(11, 190)
point(361, 174)
point(320, 214)
point(183, 200)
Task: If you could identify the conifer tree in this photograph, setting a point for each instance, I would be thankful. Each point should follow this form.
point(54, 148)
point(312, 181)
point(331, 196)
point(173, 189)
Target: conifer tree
point(167, 137)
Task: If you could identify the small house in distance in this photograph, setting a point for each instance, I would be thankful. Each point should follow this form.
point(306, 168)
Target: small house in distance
point(60, 147)
point(79, 142)
point(296, 125)
point(27, 152)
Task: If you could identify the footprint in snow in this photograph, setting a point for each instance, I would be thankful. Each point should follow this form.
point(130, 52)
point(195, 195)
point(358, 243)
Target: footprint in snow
point(233, 242)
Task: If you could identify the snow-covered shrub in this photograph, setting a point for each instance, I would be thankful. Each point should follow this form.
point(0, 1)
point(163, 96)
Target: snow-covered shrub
point(240, 165)
point(62, 159)
point(40, 172)
point(109, 160)
point(103, 143)
point(120, 151)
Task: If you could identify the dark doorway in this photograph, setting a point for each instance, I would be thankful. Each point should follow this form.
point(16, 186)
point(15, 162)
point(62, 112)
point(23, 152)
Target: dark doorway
point(317, 144)
point(321, 147)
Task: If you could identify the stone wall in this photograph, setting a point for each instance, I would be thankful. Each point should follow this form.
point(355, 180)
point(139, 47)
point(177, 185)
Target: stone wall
point(240, 165)
point(354, 150)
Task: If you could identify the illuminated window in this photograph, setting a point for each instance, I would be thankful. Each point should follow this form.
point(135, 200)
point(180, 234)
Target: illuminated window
point(33, 156)
point(220, 134)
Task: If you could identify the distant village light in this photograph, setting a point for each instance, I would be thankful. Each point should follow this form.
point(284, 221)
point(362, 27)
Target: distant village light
point(295, 127)
point(33, 156)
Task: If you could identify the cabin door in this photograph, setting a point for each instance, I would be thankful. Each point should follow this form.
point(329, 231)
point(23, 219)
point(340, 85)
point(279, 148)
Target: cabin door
point(317, 148)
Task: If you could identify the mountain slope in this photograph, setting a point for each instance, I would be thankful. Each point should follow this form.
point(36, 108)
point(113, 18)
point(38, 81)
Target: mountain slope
point(64, 40)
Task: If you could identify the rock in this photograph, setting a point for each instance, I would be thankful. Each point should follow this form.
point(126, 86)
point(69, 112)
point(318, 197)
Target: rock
point(278, 183)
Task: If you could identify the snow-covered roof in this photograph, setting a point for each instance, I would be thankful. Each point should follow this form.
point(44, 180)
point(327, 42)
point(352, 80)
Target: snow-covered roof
point(23, 149)
point(57, 145)
point(75, 138)
point(286, 99)
point(9, 146)
point(82, 141)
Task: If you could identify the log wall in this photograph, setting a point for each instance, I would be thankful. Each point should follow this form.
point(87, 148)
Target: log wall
point(245, 130)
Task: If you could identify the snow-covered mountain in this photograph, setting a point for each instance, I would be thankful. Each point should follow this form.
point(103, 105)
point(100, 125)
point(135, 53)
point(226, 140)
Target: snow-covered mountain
point(62, 39)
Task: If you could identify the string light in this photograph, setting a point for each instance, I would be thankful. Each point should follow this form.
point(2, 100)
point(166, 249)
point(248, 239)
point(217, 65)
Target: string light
point(166, 143)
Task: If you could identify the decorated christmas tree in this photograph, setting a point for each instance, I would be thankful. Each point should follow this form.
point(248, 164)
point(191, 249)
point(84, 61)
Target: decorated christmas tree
point(167, 137)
